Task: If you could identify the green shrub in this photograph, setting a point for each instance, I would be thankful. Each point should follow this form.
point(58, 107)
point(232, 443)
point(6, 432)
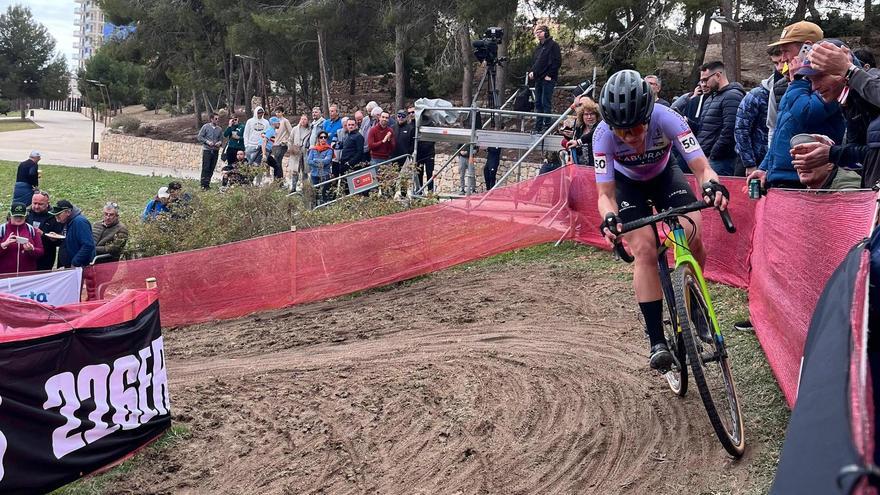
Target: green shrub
point(129, 124)
point(5, 106)
point(242, 212)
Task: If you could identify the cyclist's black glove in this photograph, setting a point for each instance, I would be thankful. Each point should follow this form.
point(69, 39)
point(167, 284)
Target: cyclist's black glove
point(610, 222)
point(712, 187)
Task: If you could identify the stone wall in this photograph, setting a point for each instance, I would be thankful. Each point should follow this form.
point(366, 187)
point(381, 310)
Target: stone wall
point(132, 150)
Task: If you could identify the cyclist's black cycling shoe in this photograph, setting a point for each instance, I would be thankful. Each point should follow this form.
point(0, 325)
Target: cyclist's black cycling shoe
point(661, 358)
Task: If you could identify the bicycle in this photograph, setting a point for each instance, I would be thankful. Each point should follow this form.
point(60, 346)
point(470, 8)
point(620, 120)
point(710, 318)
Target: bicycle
point(692, 332)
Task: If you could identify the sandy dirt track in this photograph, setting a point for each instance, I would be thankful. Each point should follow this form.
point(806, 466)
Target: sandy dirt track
point(499, 379)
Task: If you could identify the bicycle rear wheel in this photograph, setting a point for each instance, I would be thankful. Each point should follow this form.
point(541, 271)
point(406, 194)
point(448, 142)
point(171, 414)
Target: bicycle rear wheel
point(707, 354)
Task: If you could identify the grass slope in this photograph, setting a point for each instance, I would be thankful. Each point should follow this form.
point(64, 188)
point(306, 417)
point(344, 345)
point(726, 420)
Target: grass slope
point(90, 188)
point(7, 125)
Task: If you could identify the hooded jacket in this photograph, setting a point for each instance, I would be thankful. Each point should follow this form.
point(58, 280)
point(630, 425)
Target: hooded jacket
point(253, 130)
point(717, 121)
point(79, 245)
point(14, 257)
point(800, 111)
point(780, 86)
point(750, 130)
point(859, 114)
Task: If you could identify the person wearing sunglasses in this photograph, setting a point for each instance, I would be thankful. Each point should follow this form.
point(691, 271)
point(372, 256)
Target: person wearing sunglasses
point(320, 157)
point(631, 151)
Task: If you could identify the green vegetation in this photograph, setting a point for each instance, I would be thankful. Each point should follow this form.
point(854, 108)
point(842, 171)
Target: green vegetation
point(94, 485)
point(90, 188)
point(17, 125)
point(29, 66)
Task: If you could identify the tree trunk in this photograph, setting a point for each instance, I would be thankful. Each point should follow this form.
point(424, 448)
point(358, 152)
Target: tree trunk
point(399, 65)
point(866, 32)
point(23, 107)
point(239, 89)
point(467, 74)
point(228, 74)
point(814, 12)
point(352, 68)
point(507, 26)
point(249, 90)
point(197, 110)
point(800, 12)
point(322, 68)
point(728, 42)
point(702, 43)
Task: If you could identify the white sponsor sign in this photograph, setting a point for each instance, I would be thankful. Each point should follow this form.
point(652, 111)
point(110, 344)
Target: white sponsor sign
point(54, 288)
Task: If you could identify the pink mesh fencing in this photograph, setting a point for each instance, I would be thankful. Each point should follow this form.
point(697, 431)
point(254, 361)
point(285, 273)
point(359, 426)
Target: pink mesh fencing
point(784, 250)
point(294, 267)
point(800, 239)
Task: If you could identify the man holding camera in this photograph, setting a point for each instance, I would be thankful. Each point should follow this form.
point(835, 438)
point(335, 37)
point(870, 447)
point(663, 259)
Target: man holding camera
point(545, 71)
point(20, 243)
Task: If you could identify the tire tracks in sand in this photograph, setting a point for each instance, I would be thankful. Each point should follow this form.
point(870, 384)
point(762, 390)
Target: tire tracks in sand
point(503, 380)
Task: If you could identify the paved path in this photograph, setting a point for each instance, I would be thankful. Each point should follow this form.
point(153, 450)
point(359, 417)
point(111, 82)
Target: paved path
point(64, 138)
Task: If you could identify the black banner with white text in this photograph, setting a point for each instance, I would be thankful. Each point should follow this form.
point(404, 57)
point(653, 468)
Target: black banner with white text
point(77, 401)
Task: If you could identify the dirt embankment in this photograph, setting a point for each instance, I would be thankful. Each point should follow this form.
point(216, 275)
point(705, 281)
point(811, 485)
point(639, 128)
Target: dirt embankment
point(503, 379)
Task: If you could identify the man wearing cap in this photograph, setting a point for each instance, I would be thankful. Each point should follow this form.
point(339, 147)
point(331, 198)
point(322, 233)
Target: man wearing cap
point(40, 218)
point(833, 87)
point(788, 46)
point(20, 243)
point(27, 178)
point(405, 136)
point(157, 205)
point(78, 248)
point(268, 145)
point(801, 111)
point(211, 137)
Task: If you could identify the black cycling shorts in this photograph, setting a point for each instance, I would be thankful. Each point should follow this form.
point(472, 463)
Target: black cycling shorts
point(670, 189)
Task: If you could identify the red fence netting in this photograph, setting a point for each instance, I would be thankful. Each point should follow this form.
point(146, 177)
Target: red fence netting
point(800, 239)
point(294, 267)
point(785, 248)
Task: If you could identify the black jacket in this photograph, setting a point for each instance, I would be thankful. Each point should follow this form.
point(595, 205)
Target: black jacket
point(717, 120)
point(46, 223)
point(405, 139)
point(859, 114)
point(547, 60)
point(352, 148)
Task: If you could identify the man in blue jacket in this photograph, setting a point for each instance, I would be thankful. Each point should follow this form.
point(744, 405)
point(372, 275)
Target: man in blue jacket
point(78, 248)
point(801, 111)
point(718, 117)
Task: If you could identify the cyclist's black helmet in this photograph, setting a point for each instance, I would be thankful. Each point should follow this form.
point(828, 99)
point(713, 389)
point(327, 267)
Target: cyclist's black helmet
point(626, 100)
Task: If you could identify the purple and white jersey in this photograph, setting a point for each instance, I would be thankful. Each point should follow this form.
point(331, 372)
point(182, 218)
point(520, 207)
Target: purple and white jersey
point(666, 128)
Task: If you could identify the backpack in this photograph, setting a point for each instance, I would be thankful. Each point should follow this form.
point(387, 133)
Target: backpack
point(524, 101)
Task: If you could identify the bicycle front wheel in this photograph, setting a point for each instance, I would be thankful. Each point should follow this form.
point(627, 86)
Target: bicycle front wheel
point(707, 355)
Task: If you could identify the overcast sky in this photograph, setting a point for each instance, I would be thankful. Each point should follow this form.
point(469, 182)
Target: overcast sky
point(57, 16)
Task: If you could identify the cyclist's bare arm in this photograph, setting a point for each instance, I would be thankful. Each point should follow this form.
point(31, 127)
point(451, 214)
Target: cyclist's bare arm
point(607, 204)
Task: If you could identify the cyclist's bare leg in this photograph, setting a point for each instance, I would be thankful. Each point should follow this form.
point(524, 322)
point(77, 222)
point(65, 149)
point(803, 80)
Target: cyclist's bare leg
point(649, 294)
point(646, 280)
point(695, 242)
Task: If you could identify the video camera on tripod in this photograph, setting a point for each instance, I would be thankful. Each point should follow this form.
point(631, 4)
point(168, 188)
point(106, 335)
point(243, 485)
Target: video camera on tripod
point(486, 48)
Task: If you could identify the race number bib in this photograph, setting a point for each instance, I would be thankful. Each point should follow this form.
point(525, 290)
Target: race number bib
point(600, 162)
point(688, 141)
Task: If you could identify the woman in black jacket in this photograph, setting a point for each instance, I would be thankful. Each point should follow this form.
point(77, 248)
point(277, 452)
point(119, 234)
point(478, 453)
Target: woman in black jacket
point(587, 119)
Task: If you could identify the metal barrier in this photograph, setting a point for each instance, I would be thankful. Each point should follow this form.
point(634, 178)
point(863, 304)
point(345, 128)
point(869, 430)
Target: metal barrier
point(375, 166)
